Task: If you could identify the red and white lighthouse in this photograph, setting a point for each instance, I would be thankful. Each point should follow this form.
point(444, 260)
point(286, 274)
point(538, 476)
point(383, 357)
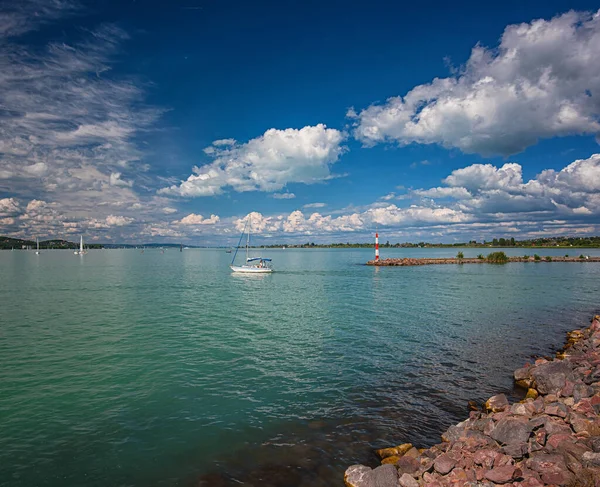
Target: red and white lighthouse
point(376, 246)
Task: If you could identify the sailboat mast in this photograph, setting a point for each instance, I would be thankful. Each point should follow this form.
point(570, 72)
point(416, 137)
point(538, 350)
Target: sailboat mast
point(248, 239)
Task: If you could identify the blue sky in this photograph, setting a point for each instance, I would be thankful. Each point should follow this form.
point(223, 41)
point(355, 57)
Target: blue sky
point(133, 121)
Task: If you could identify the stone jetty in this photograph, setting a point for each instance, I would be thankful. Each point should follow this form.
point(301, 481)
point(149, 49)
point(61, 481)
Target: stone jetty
point(453, 260)
point(551, 438)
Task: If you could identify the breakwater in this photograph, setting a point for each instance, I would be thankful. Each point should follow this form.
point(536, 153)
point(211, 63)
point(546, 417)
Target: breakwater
point(398, 262)
point(551, 438)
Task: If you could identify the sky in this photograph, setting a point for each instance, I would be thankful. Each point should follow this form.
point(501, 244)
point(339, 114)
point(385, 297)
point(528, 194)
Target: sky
point(137, 121)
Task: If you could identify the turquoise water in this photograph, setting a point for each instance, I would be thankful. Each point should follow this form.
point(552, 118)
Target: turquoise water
point(127, 369)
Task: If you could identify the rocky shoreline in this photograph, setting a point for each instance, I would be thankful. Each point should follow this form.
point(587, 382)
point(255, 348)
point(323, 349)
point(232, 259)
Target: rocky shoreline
point(551, 438)
point(396, 262)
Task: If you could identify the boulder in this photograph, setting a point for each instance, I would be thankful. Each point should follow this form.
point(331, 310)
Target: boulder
point(408, 465)
point(556, 409)
point(591, 459)
point(407, 481)
point(511, 430)
point(500, 475)
point(385, 476)
point(551, 377)
point(497, 403)
point(394, 451)
point(444, 464)
point(359, 476)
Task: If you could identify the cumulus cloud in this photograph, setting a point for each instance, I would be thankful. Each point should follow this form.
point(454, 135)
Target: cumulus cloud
point(266, 163)
point(193, 219)
point(9, 206)
point(284, 196)
point(541, 81)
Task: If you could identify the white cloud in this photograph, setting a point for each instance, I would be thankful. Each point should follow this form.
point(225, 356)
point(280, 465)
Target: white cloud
point(266, 163)
point(193, 219)
point(284, 196)
point(118, 221)
point(167, 210)
point(541, 81)
point(439, 192)
point(115, 180)
point(315, 205)
point(9, 206)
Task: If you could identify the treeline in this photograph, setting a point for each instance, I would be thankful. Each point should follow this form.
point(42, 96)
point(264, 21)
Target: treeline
point(496, 242)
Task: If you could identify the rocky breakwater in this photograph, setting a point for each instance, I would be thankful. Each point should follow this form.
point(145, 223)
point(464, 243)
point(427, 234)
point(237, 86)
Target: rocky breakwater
point(551, 438)
point(399, 262)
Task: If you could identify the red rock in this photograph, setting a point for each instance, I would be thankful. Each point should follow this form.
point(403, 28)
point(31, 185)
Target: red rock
point(500, 475)
point(408, 465)
point(555, 440)
point(540, 436)
point(485, 458)
point(584, 406)
point(444, 463)
point(500, 460)
point(497, 403)
point(457, 476)
point(557, 478)
point(568, 389)
point(556, 409)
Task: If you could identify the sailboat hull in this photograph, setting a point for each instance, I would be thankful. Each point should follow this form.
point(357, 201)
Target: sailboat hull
point(250, 269)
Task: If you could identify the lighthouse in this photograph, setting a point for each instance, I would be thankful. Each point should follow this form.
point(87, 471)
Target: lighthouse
point(376, 246)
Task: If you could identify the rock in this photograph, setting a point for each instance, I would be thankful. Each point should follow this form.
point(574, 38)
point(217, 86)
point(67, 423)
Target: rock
point(385, 476)
point(453, 433)
point(515, 450)
point(581, 391)
point(519, 409)
point(497, 403)
point(444, 464)
point(554, 440)
point(407, 481)
point(391, 460)
point(556, 409)
point(532, 393)
point(408, 465)
point(546, 462)
point(511, 430)
point(522, 373)
point(564, 477)
point(359, 476)
point(591, 459)
point(485, 458)
point(396, 450)
point(473, 406)
point(413, 453)
point(500, 475)
point(556, 426)
point(551, 377)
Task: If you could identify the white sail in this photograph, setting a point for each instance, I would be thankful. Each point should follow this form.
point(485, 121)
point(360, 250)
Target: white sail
point(81, 245)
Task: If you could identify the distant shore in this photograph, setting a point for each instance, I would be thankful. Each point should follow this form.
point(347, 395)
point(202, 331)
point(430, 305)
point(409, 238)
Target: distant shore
point(551, 438)
point(399, 262)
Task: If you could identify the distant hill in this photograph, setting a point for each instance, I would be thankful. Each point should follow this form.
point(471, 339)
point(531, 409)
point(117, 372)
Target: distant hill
point(7, 243)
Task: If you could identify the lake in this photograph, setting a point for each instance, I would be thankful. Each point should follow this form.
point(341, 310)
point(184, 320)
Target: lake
point(119, 368)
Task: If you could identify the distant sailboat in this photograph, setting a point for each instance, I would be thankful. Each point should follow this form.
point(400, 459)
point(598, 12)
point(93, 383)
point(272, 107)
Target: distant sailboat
point(260, 265)
point(38, 246)
point(81, 249)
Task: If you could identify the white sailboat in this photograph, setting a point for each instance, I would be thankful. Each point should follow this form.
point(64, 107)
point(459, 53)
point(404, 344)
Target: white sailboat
point(81, 249)
point(38, 246)
point(253, 265)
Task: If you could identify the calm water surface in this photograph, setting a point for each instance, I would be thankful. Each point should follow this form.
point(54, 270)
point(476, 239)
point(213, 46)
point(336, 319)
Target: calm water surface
point(125, 369)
